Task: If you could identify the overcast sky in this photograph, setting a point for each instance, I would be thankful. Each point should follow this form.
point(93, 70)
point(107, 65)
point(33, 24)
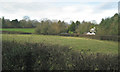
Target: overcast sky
point(67, 11)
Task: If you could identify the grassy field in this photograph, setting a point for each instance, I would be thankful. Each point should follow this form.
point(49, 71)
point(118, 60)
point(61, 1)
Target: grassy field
point(76, 43)
point(28, 30)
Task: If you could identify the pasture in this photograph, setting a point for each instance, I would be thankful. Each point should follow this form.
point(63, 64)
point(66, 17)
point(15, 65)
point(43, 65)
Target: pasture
point(28, 30)
point(76, 43)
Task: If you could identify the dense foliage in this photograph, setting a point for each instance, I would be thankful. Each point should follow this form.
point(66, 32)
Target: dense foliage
point(24, 23)
point(107, 26)
point(84, 27)
point(41, 56)
point(50, 27)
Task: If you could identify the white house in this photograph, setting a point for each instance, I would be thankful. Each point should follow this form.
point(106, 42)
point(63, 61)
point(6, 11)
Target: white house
point(92, 31)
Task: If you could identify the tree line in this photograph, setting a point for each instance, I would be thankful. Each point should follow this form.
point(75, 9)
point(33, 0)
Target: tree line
point(107, 26)
point(24, 23)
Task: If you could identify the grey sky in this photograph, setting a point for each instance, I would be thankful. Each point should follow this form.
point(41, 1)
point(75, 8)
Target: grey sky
point(66, 11)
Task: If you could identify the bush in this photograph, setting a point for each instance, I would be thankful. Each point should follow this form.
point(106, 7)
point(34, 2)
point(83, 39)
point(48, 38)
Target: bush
point(41, 56)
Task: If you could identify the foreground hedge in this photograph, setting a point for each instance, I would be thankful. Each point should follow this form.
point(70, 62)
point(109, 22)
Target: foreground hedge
point(40, 56)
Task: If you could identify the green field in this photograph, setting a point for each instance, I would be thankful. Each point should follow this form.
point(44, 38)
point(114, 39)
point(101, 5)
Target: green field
point(76, 43)
point(28, 30)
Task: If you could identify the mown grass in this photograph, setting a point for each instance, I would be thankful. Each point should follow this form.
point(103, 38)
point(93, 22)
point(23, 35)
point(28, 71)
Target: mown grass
point(28, 30)
point(76, 43)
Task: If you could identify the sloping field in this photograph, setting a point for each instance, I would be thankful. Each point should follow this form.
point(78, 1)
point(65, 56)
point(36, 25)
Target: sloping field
point(76, 43)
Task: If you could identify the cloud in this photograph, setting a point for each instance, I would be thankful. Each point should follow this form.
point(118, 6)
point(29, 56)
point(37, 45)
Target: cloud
point(109, 5)
point(13, 7)
point(59, 0)
point(59, 10)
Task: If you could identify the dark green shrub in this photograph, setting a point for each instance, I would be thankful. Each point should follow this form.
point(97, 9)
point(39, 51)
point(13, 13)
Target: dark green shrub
point(41, 56)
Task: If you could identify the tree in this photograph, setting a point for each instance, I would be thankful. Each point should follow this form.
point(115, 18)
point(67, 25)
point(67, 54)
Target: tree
point(15, 23)
point(0, 22)
point(22, 23)
point(43, 27)
point(77, 23)
point(35, 23)
point(83, 27)
point(3, 22)
point(8, 23)
point(108, 26)
point(72, 27)
point(51, 27)
point(26, 18)
point(62, 26)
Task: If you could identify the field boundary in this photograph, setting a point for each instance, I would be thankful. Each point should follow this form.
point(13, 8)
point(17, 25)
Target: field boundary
point(98, 37)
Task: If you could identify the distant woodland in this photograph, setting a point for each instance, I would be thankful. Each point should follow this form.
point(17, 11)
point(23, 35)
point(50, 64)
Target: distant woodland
point(107, 26)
